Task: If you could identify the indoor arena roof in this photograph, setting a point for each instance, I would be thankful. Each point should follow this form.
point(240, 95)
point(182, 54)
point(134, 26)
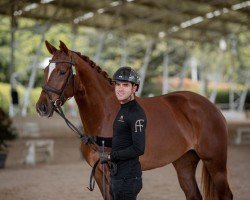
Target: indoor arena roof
point(196, 20)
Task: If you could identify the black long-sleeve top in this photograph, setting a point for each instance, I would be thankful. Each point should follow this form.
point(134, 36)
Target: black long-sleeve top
point(128, 140)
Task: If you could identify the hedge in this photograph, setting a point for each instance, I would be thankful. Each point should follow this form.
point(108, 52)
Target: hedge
point(223, 97)
point(5, 97)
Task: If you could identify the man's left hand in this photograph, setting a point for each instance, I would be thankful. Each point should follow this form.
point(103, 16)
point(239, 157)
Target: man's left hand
point(104, 157)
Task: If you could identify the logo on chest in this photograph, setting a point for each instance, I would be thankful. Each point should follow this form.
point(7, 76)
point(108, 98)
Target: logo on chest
point(121, 119)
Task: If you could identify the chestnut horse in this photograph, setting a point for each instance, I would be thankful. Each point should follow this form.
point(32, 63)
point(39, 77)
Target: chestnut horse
point(183, 127)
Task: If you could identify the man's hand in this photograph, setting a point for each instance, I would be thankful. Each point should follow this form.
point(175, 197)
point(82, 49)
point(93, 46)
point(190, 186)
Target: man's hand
point(104, 157)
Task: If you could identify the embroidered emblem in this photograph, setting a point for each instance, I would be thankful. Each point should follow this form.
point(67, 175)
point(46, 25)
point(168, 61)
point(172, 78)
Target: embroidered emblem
point(139, 125)
point(121, 119)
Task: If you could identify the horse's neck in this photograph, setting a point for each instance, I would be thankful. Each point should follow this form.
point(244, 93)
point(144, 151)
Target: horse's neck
point(96, 101)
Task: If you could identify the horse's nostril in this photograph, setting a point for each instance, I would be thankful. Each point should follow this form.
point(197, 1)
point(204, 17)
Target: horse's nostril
point(43, 108)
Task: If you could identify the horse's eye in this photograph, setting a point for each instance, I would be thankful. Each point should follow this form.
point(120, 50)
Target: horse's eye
point(62, 72)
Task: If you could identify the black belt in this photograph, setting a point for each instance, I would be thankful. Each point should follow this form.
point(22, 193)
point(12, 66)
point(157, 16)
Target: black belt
point(125, 178)
point(107, 141)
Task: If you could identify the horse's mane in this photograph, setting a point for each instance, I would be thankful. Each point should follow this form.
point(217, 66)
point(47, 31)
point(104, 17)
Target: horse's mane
point(95, 66)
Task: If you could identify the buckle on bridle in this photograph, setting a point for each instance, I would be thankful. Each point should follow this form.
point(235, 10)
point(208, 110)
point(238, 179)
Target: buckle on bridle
point(58, 103)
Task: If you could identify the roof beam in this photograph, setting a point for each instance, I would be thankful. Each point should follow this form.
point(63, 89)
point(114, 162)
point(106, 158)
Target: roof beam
point(145, 16)
point(221, 4)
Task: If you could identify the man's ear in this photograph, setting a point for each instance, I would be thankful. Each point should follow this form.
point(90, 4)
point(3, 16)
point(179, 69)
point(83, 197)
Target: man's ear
point(134, 87)
point(137, 88)
point(50, 47)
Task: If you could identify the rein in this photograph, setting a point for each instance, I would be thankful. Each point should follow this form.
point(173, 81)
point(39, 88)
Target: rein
point(56, 104)
point(85, 138)
point(88, 140)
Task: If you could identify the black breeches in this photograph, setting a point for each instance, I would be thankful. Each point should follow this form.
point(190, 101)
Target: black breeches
point(125, 189)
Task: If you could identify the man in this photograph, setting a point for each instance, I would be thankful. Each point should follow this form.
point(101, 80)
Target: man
point(128, 138)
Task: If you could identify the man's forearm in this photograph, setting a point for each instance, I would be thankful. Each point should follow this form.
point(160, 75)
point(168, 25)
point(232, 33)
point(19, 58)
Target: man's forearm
point(128, 153)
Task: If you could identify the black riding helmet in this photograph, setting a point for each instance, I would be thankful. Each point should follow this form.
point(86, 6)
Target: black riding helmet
point(127, 74)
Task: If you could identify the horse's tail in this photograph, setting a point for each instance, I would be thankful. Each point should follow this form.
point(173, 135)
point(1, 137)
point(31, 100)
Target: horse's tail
point(207, 184)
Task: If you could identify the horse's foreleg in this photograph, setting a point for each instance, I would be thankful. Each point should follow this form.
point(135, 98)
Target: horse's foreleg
point(185, 167)
point(91, 157)
point(99, 180)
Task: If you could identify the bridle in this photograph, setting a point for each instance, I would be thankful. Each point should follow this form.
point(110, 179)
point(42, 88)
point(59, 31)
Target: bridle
point(56, 104)
point(49, 89)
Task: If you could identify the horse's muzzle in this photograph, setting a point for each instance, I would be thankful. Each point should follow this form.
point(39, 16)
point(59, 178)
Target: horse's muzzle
point(44, 110)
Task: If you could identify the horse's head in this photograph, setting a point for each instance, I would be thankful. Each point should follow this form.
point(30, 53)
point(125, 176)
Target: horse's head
point(58, 80)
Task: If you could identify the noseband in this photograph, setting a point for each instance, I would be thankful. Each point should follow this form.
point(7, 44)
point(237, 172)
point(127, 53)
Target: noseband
point(49, 89)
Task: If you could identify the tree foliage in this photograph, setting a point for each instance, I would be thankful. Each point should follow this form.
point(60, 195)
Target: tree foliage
point(232, 65)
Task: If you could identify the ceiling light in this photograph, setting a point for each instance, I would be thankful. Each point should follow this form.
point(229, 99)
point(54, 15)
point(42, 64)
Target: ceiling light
point(174, 29)
point(225, 10)
point(240, 5)
point(217, 13)
point(162, 34)
point(209, 15)
point(115, 3)
point(30, 7)
point(196, 20)
point(101, 10)
point(46, 1)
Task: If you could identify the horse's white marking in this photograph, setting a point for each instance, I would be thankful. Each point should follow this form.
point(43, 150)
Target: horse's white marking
point(52, 66)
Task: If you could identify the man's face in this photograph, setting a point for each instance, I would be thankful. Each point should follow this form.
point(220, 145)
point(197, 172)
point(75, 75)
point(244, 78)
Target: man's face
point(124, 91)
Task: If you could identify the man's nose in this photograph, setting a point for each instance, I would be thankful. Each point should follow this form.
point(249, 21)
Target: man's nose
point(120, 87)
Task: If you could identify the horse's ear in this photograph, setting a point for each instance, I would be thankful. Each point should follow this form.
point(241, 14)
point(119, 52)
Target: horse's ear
point(63, 47)
point(50, 47)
